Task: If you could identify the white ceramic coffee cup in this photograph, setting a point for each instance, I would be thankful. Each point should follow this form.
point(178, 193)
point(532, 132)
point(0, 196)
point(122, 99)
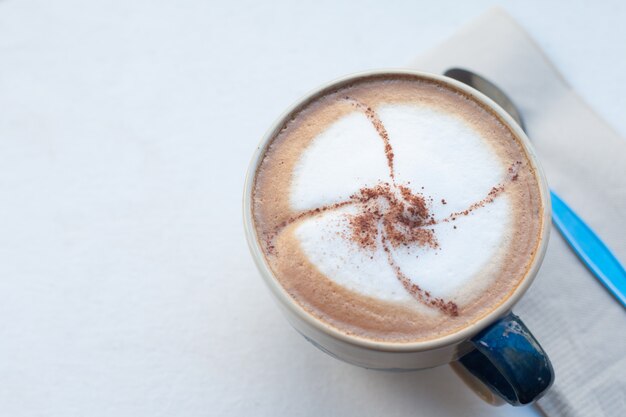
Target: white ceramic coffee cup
point(384, 355)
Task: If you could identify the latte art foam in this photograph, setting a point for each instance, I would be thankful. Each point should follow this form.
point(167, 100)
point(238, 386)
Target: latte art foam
point(397, 209)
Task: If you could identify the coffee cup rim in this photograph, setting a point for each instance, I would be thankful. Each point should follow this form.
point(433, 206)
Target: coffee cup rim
point(413, 346)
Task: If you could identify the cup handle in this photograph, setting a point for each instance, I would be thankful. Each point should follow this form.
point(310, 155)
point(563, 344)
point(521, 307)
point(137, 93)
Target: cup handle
point(510, 362)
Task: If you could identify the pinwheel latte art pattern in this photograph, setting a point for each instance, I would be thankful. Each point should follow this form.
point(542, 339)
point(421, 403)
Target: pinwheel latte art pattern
point(355, 238)
point(391, 215)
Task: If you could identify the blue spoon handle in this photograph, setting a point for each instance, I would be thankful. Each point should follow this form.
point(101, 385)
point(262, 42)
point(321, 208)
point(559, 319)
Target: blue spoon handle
point(593, 252)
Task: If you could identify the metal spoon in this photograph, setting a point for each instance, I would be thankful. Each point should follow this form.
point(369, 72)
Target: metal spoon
point(585, 243)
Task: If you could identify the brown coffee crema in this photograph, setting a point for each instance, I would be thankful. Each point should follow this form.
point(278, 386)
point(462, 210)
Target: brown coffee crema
point(390, 214)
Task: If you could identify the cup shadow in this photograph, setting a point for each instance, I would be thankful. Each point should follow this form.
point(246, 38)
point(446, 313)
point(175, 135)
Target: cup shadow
point(436, 389)
point(437, 386)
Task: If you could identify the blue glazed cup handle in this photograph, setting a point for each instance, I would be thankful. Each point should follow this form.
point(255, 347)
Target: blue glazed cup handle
point(510, 362)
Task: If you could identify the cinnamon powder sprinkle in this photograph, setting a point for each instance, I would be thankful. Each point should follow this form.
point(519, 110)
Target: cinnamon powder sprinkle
point(392, 215)
point(364, 228)
point(447, 307)
point(380, 128)
point(491, 196)
point(402, 218)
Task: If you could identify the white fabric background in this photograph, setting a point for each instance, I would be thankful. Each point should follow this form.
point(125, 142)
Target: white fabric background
point(126, 288)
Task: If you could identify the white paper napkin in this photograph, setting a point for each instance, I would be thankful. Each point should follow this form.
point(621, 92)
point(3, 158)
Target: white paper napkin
point(576, 320)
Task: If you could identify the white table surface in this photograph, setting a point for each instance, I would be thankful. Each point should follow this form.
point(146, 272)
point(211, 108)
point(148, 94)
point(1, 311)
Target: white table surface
point(126, 288)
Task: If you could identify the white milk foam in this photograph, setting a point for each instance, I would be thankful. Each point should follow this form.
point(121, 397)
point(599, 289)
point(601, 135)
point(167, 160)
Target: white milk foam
point(434, 150)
